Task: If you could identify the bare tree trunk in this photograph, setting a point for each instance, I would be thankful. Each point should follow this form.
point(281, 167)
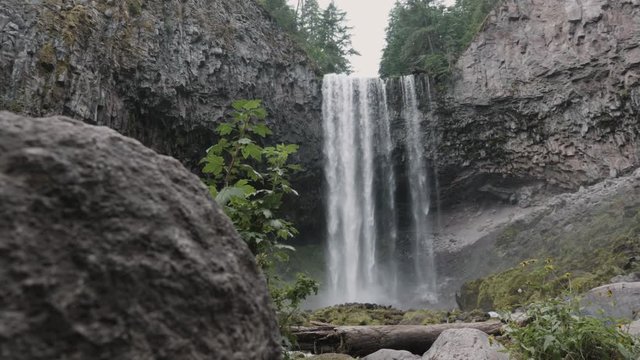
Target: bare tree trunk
point(364, 340)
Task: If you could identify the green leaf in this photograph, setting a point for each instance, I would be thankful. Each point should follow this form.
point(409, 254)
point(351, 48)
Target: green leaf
point(228, 193)
point(245, 141)
point(548, 341)
point(214, 164)
point(259, 113)
point(224, 129)
point(246, 187)
point(276, 224)
point(252, 150)
point(262, 130)
point(284, 234)
point(245, 105)
point(218, 148)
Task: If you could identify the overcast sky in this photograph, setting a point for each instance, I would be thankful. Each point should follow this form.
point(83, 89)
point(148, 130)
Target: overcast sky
point(368, 19)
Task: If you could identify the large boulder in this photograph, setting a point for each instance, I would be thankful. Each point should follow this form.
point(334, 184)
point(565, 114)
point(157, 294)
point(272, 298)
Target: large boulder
point(619, 301)
point(111, 251)
point(468, 344)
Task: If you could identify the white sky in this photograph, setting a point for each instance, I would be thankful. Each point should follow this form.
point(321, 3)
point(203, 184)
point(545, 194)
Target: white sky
point(368, 19)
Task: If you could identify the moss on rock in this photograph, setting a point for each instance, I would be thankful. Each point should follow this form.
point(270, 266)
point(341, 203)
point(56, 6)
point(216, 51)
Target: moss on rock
point(577, 270)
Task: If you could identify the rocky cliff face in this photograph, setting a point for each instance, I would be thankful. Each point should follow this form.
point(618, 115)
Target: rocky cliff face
point(546, 99)
point(163, 72)
point(547, 92)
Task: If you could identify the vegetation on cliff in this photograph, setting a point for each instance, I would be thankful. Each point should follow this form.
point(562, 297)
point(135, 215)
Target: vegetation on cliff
point(323, 33)
point(427, 37)
point(607, 245)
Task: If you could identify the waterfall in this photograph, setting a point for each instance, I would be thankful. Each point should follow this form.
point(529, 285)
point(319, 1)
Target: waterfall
point(365, 260)
point(423, 257)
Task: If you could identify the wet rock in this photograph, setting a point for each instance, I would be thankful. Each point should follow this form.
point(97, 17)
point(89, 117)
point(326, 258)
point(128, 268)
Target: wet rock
point(469, 344)
point(111, 251)
point(387, 354)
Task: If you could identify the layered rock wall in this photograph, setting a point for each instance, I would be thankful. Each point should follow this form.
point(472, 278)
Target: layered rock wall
point(547, 92)
point(163, 72)
point(159, 71)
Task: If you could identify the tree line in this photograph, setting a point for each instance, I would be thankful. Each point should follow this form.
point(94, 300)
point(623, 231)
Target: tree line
point(323, 33)
point(425, 36)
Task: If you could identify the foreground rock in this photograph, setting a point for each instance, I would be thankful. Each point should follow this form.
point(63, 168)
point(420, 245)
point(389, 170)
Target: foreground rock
point(618, 301)
point(468, 344)
point(110, 251)
point(387, 354)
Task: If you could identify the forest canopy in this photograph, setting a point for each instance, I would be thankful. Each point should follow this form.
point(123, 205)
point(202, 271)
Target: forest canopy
point(322, 33)
point(425, 36)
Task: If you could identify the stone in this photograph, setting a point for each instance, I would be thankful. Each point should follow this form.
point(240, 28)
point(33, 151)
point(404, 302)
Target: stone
point(634, 328)
point(633, 277)
point(111, 251)
point(618, 301)
point(388, 354)
point(468, 344)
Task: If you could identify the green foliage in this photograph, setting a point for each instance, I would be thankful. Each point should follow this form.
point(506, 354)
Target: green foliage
point(322, 33)
point(287, 298)
point(371, 314)
point(358, 314)
point(250, 181)
point(579, 269)
point(554, 331)
point(426, 36)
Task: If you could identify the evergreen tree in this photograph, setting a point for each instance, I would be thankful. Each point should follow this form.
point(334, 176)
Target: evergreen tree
point(334, 41)
point(323, 33)
point(425, 36)
point(284, 15)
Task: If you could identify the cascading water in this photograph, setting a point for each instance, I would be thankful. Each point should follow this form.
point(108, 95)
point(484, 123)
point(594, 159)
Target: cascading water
point(366, 258)
point(423, 257)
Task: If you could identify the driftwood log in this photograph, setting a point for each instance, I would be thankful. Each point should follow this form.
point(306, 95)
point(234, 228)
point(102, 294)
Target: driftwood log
point(364, 340)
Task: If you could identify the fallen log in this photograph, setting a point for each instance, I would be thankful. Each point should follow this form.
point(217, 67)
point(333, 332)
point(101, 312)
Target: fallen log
point(364, 340)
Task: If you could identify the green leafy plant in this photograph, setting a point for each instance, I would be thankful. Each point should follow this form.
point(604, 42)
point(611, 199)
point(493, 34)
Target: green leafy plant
point(249, 181)
point(555, 331)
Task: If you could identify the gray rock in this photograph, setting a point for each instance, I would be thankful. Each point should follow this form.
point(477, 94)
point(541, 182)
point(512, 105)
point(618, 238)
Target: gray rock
point(387, 354)
point(468, 344)
point(634, 328)
point(633, 277)
point(618, 301)
point(546, 92)
point(111, 251)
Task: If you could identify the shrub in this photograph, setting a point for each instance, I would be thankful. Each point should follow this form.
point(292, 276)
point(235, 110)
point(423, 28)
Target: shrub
point(555, 331)
point(250, 181)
